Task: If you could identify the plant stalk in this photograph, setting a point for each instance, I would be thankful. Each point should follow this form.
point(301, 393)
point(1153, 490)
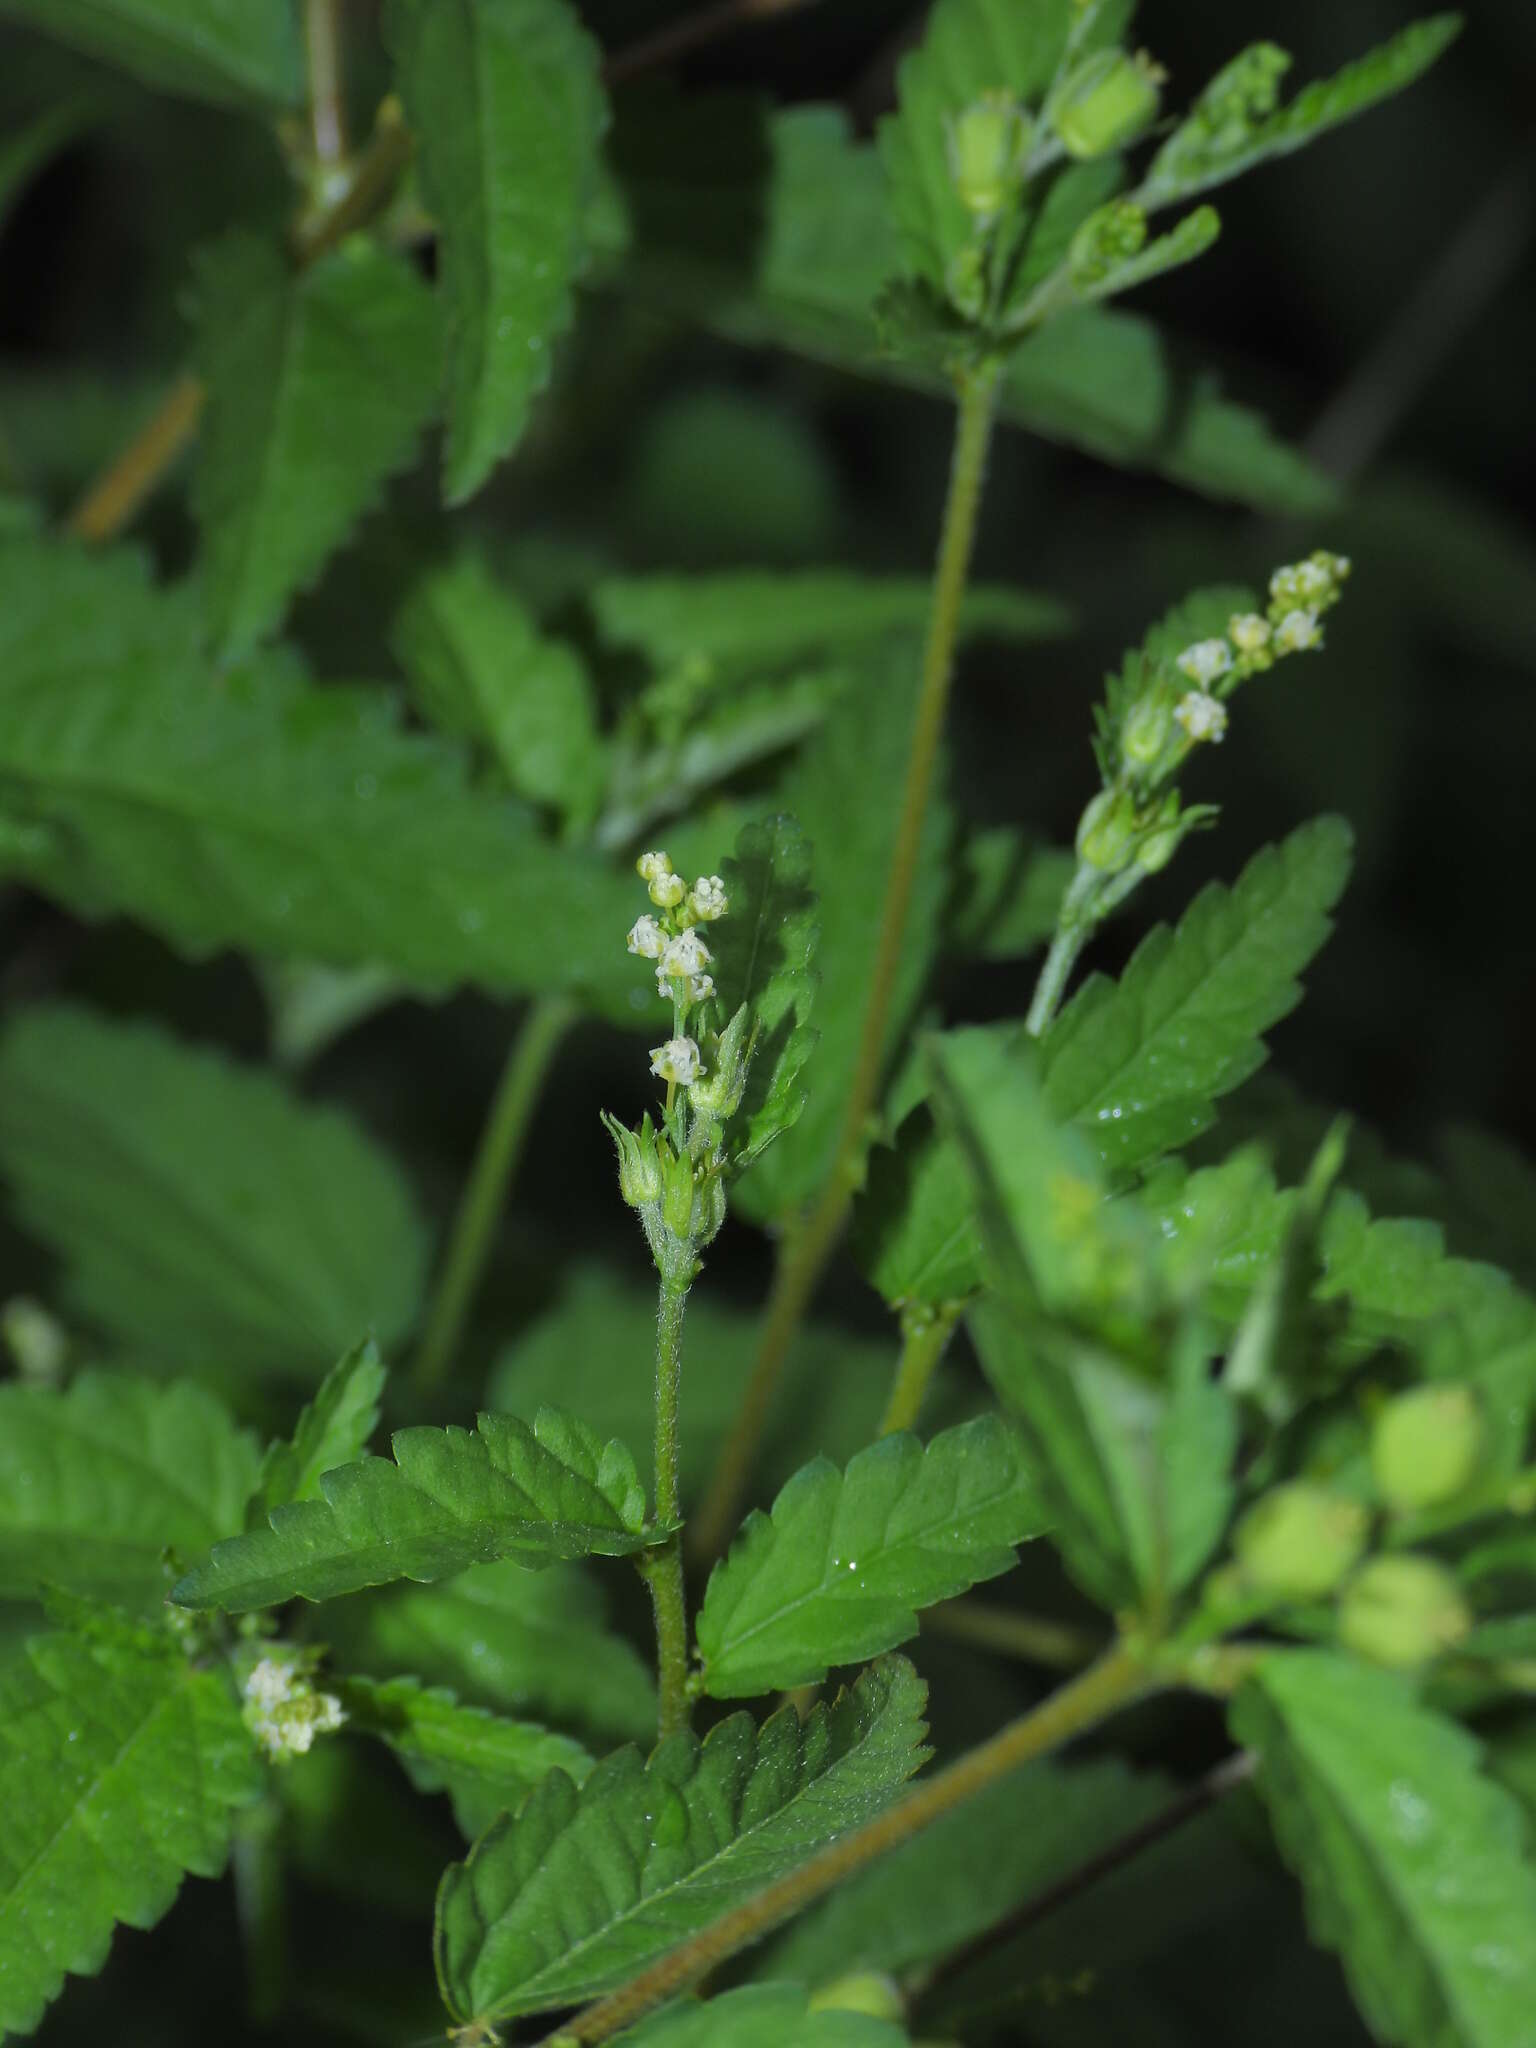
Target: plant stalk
point(1032, 1638)
point(662, 1568)
point(1072, 929)
point(485, 1192)
point(923, 1342)
point(1112, 1683)
point(807, 1249)
point(327, 107)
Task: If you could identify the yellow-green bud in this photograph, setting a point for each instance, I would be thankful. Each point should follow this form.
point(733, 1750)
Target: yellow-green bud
point(988, 147)
point(1162, 843)
point(1106, 830)
point(1109, 100)
point(639, 1167)
point(677, 1193)
point(1110, 236)
point(1300, 1541)
point(1402, 1611)
point(1145, 733)
point(966, 282)
point(1426, 1445)
point(866, 1991)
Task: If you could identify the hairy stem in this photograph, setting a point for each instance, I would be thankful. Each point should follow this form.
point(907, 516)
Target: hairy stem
point(485, 1192)
point(327, 109)
point(1072, 929)
point(662, 1568)
point(1108, 1685)
point(923, 1340)
point(806, 1250)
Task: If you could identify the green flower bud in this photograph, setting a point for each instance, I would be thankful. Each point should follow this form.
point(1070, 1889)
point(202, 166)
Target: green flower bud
point(677, 1193)
point(1106, 830)
point(1300, 1541)
point(1146, 731)
point(1162, 842)
point(966, 282)
point(1109, 100)
point(1107, 238)
point(639, 1166)
point(717, 1095)
point(1402, 1611)
point(866, 1991)
point(988, 147)
point(1426, 1445)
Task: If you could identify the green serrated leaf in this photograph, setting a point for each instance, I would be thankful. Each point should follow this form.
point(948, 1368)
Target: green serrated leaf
point(480, 669)
point(220, 50)
point(1138, 1063)
point(205, 1214)
point(506, 104)
point(1234, 124)
point(99, 1481)
point(251, 809)
point(502, 1637)
point(763, 954)
point(319, 383)
point(120, 1770)
point(837, 1572)
point(760, 2016)
point(759, 618)
point(486, 1763)
point(915, 1234)
point(581, 1889)
point(863, 744)
point(451, 1499)
point(333, 1429)
point(1415, 1867)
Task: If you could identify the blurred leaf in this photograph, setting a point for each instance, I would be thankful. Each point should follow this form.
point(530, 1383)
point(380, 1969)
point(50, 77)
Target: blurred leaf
point(479, 668)
point(451, 1499)
point(837, 1571)
point(205, 1214)
point(760, 2016)
point(1009, 889)
point(230, 54)
point(863, 745)
point(98, 1482)
point(1414, 1865)
point(484, 1762)
point(1138, 1062)
point(798, 244)
point(501, 1636)
point(595, 1349)
point(580, 1890)
point(763, 951)
point(253, 810)
point(1233, 125)
point(333, 1430)
point(120, 1770)
point(23, 154)
point(505, 102)
point(960, 1876)
point(319, 384)
point(753, 616)
point(915, 1234)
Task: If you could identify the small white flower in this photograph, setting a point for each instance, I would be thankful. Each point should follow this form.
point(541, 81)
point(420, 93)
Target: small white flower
point(270, 1683)
point(1298, 631)
point(329, 1713)
point(1202, 717)
point(1249, 632)
point(678, 1060)
point(1206, 660)
point(700, 987)
point(707, 899)
point(650, 867)
point(685, 955)
point(647, 938)
point(667, 891)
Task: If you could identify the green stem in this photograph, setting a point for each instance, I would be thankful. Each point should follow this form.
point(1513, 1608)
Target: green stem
point(1086, 1700)
point(485, 1192)
point(261, 1907)
point(1032, 1638)
point(923, 1339)
point(327, 112)
point(1072, 929)
point(662, 1568)
point(806, 1251)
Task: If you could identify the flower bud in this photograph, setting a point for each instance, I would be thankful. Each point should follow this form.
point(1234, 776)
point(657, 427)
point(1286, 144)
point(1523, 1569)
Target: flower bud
point(865, 1991)
point(988, 146)
point(1299, 1541)
point(639, 1168)
point(1106, 830)
point(1426, 1445)
point(1111, 236)
point(966, 282)
point(1107, 102)
point(677, 1193)
point(1145, 732)
point(718, 1094)
point(1162, 842)
point(1402, 1611)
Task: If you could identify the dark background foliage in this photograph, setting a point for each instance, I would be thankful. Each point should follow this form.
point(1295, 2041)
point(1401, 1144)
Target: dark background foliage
point(1373, 296)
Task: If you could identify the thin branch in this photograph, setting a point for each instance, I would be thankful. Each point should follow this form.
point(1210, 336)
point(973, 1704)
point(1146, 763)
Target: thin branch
point(691, 33)
point(327, 103)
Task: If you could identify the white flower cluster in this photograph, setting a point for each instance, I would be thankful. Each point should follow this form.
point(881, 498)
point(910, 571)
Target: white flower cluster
point(682, 958)
point(285, 1712)
point(1299, 594)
